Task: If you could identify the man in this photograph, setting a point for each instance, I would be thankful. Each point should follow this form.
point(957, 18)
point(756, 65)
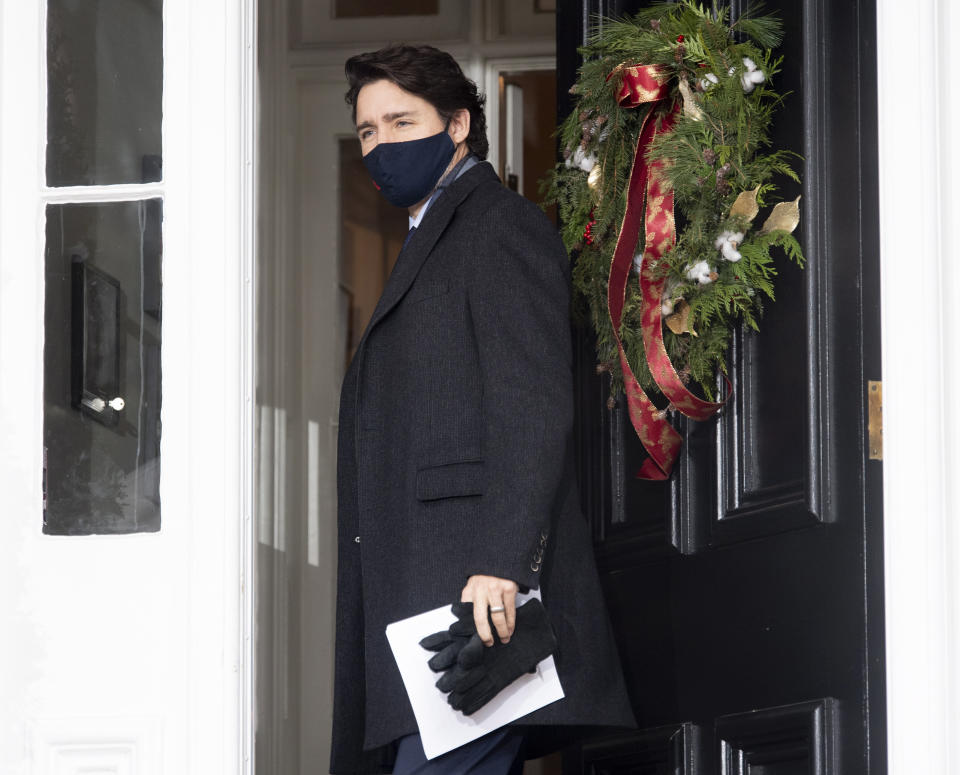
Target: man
point(455, 462)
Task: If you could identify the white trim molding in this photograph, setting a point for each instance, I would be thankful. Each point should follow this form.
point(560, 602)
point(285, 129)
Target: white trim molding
point(919, 109)
point(84, 745)
point(493, 69)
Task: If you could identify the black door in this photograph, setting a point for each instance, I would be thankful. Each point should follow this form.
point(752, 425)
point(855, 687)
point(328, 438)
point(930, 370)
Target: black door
point(746, 592)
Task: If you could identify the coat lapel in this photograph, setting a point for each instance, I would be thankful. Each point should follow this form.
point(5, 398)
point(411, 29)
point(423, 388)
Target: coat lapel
point(421, 243)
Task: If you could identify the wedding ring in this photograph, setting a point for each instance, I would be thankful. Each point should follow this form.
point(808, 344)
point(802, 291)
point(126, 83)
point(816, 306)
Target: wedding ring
point(497, 609)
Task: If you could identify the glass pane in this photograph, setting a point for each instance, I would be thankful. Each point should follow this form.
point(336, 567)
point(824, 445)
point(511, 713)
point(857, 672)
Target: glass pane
point(101, 416)
point(105, 80)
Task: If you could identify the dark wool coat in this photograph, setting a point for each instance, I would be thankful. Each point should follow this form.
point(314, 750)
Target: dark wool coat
point(455, 458)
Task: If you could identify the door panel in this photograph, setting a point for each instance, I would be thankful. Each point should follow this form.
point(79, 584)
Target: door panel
point(746, 592)
point(669, 750)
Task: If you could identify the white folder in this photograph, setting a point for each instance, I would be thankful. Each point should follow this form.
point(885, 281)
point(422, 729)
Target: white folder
point(441, 727)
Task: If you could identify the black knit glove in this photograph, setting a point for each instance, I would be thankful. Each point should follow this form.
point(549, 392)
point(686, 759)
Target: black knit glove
point(481, 672)
point(448, 643)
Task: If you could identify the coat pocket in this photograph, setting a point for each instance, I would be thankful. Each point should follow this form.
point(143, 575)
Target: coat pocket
point(426, 289)
point(450, 480)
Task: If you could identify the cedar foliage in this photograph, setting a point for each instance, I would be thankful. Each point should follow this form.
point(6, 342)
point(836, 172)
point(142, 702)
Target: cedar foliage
point(708, 162)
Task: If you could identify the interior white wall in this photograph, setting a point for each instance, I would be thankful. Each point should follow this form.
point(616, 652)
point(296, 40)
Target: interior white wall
point(919, 111)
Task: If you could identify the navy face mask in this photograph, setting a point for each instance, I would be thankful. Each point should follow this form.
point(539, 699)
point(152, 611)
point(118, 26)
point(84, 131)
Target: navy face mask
point(406, 172)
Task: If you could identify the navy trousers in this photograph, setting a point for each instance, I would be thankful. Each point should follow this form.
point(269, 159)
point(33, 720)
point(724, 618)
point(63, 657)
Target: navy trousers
point(498, 753)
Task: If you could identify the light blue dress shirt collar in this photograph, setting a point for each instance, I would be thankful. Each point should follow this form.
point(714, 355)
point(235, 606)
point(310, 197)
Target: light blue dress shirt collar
point(470, 160)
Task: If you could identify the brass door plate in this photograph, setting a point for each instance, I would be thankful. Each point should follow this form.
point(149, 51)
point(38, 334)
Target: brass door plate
point(875, 419)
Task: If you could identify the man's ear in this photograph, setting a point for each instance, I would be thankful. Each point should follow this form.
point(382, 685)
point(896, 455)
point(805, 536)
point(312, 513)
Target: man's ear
point(459, 126)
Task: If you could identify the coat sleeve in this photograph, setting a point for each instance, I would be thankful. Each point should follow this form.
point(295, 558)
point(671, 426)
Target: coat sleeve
point(519, 298)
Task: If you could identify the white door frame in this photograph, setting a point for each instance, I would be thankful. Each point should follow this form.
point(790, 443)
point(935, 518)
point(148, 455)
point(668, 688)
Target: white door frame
point(188, 634)
point(919, 108)
point(492, 70)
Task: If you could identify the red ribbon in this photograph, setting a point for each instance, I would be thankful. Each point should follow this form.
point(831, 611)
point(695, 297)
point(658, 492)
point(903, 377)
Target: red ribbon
point(650, 201)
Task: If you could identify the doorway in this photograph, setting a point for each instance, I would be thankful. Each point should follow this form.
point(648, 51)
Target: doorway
point(326, 243)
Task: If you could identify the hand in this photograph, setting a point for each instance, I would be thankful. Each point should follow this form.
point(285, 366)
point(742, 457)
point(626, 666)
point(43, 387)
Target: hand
point(486, 592)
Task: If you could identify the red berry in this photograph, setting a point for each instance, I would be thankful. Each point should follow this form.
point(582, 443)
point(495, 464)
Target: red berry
point(679, 38)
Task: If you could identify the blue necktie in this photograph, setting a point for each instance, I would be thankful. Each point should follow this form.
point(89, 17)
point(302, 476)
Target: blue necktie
point(407, 238)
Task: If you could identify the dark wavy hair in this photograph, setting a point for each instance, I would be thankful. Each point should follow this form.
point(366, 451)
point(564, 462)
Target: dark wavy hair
point(426, 72)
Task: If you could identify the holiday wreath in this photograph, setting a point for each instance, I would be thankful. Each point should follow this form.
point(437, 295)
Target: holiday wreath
point(673, 112)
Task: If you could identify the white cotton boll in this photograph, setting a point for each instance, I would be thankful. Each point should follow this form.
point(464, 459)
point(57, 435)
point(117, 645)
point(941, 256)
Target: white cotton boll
point(751, 79)
point(708, 80)
point(730, 252)
point(666, 299)
point(728, 236)
point(637, 262)
point(727, 244)
point(700, 272)
point(577, 158)
point(731, 71)
point(751, 76)
point(588, 163)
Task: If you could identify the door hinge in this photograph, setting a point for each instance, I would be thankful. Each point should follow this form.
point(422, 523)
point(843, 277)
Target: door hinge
point(875, 419)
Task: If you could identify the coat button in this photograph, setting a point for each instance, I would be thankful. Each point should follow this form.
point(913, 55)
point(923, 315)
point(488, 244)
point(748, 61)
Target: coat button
point(356, 539)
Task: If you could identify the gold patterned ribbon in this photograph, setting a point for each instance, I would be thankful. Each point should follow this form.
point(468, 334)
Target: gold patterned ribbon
point(650, 202)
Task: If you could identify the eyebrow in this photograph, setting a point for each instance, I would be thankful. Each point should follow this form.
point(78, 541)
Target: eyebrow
point(387, 117)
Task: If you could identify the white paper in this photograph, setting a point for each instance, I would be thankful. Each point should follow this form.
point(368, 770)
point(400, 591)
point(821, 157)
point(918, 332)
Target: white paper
point(441, 727)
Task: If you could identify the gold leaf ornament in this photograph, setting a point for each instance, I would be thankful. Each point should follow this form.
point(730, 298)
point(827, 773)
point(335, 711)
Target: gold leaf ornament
point(690, 108)
point(746, 205)
point(593, 179)
point(785, 217)
point(679, 321)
